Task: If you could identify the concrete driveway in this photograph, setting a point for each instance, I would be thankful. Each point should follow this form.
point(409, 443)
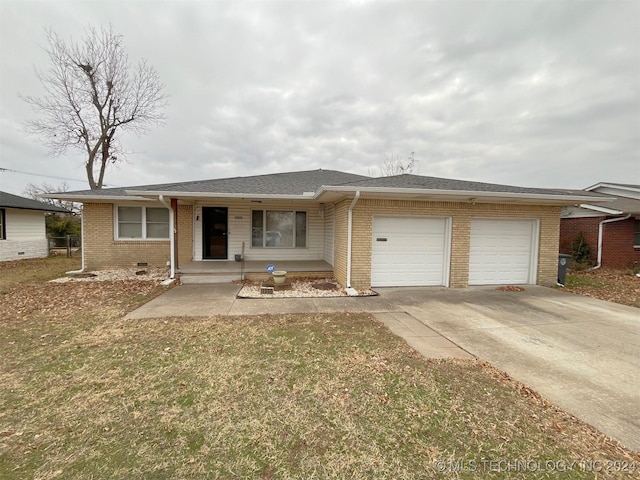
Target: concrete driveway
point(581, 353)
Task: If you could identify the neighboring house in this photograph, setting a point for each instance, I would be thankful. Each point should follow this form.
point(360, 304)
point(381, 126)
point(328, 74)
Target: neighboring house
point(388, 231)
point(610, 225)
point(22, 227)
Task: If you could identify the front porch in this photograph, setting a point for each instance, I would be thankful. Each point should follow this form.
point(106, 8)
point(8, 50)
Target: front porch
point(218, 271)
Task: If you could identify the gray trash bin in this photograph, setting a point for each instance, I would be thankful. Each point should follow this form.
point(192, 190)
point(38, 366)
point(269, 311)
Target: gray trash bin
point(563, 264)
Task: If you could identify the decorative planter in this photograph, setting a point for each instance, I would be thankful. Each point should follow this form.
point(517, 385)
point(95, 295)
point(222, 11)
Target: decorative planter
point(238, 257)
point(279, 276)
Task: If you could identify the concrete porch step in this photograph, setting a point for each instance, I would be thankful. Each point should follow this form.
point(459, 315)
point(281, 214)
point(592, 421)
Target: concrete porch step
point(208, 278)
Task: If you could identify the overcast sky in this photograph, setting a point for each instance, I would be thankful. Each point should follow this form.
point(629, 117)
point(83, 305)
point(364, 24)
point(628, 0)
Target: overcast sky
point(530, 93)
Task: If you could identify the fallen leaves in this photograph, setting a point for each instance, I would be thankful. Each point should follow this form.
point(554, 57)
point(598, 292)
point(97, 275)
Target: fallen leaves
point(62, 301)
point(609, 285)
point(510, 288)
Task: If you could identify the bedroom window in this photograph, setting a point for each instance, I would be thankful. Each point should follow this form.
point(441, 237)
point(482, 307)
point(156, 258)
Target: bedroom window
point(142, 223)
point(3, 234)
point(278, 229)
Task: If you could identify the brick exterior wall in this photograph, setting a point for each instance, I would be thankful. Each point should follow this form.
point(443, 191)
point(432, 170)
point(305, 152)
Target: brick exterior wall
point(461, 215)
point(340, 242)
point(617, 240)
point(19, 249)
point(102, 251)
point(184, 226)
point(570, 229)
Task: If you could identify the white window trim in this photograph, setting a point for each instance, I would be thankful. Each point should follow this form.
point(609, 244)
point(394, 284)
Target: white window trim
point(264, 223)
point(144, 238)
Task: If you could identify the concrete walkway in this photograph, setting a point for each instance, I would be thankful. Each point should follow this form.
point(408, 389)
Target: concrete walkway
point(424, 339)
point(220, 299)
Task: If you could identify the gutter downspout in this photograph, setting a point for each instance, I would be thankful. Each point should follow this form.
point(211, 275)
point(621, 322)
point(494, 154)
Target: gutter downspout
point(601, 234)
point(349, 237)
point(82, 246)
point(171, 237)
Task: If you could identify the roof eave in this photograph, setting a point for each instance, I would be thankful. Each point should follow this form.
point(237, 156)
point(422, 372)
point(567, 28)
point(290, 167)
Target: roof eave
point(49, 210)
point(598, 208)
point(93, 198)
point(613, 185)
point(194, 195)
point(458, 194)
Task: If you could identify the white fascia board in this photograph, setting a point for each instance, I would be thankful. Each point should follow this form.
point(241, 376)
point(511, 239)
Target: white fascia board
point(248, 196)
point(561, 199)
point(94, 198)
point(613, 185)
point(597, 208)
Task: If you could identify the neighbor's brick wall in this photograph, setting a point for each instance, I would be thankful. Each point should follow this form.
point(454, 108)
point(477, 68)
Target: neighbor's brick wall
point(102, 251)
point(570, 228)
point(461, 215)
point(618, 250)
point(617, 241)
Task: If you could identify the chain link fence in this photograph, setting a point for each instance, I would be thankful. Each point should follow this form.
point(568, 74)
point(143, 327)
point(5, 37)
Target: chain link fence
point(69, 246)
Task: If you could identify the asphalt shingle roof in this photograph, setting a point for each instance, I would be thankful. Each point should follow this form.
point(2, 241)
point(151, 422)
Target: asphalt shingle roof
point(420, 182)
point(626, 205)
point(297, 183)
point(8, 200)
point(290, 183)
point(620, 201)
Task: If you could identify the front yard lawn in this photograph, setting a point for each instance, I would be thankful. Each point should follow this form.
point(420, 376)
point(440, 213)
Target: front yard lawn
point(86, 394)
point(605, 284)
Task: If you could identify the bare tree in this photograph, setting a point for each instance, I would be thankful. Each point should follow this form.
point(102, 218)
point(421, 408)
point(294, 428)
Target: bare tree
point(34, 191)
point(394, 166)
point(91, 94)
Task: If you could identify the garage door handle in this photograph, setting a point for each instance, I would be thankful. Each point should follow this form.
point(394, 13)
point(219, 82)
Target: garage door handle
point(381, 239)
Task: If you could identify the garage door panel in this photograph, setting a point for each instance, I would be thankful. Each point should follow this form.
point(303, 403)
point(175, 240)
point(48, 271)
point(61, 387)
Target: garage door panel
point(501, 251)
point(408, 251)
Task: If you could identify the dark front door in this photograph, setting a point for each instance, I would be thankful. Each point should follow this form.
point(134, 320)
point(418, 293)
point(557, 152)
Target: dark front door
point(214, 233)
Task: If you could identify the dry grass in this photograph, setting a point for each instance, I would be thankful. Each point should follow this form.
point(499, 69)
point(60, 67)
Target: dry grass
point(89, 395)
point(35, 270)
point(611, 285)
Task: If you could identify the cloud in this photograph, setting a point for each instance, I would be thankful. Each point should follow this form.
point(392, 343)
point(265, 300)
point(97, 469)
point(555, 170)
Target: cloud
point(531, 93)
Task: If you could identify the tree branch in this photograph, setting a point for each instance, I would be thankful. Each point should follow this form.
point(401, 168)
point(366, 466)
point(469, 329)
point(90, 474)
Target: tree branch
point(91, 94)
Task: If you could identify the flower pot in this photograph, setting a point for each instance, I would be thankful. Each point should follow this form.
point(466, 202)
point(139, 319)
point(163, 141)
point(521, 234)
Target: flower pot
point(238, 257)
point(279, 276)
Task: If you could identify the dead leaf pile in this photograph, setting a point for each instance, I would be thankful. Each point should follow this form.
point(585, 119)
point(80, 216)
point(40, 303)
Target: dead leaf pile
point(62, 301)
point(510, 288)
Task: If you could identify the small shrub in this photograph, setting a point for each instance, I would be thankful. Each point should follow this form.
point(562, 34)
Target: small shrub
point(581, 252)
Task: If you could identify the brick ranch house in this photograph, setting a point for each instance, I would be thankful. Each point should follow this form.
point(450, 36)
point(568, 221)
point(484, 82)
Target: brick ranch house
point(405, 230)
point(610, 225)
point(22, 227)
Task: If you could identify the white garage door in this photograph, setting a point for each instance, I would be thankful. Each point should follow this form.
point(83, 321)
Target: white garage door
point(502, 251)
point(409, 251)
